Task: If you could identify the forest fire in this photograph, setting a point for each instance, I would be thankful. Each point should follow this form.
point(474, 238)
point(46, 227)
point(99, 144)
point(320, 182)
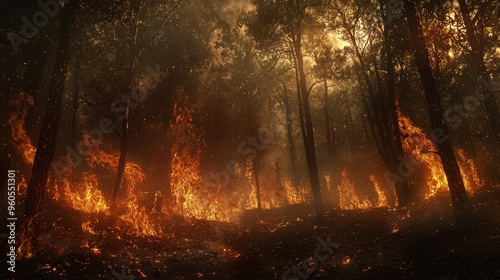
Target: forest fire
point(189, 139)
point(214, 202)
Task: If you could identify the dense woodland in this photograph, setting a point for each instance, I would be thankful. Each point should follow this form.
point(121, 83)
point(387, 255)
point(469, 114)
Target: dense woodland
point(225, 139)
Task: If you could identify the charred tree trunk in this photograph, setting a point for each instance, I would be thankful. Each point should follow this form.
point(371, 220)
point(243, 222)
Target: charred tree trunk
point(292, 152)
point(330, 144)
point(48, 136)
point(402, 188)
point(460, 200)
point(124, 143)
point(123, 155)
point(299, 97)
point(255, 166)
point(352, 146)
point(309, 144)
point(76, 92)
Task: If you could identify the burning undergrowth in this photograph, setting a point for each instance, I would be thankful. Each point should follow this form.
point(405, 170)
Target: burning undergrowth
point(86, 191)
point(419, 147)
point(369, 194)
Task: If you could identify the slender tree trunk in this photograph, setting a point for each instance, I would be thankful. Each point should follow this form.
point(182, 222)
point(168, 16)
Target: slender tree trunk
point(299, 96)
point(402, 188)
point(76, 92)
point(292, 152)
point(48, 136)
point(329, 135)
point(126, 116)
point(490, 102)
point(123, 156)
point(309, 144)
point(257, 182)
point(352, 146)
point(460, 200)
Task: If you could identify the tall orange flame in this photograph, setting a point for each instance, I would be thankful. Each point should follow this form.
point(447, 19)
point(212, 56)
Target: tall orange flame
point(349, 199)
point(469, 172)
point(416, 144)
point(85, 196)
point(191, 199)
point(252, 199)
point(294, 195)
point(20, 138)
point(422, 149)
point(381, 198)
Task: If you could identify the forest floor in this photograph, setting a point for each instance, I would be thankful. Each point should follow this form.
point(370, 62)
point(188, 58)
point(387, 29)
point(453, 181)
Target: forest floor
point(419, 242)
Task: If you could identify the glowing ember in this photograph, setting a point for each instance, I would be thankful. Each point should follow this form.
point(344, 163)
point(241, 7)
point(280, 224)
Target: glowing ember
point(18, 132)
point(346, 260)
point(86, 227)
point(22, 187)
point(395, 228)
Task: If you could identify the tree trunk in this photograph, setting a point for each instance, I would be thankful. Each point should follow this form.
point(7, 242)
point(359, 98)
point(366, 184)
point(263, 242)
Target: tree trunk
point(132, 62)
point(402, 188)
point(490, 102)
point(48, 136)
point(292, 152)
point(329, 134)
point(309, 144)
point(257, 182)
point(352, 145)
point(76, 91)
point(123, 157)
point(299, 97)
point(460, 200)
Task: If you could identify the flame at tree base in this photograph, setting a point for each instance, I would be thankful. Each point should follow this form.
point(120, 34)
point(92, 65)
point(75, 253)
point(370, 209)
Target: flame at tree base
point(416, 144)
point(86, 196)
point(17, 119)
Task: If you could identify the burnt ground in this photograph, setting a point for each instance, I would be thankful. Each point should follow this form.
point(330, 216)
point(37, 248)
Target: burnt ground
point(419, 242)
